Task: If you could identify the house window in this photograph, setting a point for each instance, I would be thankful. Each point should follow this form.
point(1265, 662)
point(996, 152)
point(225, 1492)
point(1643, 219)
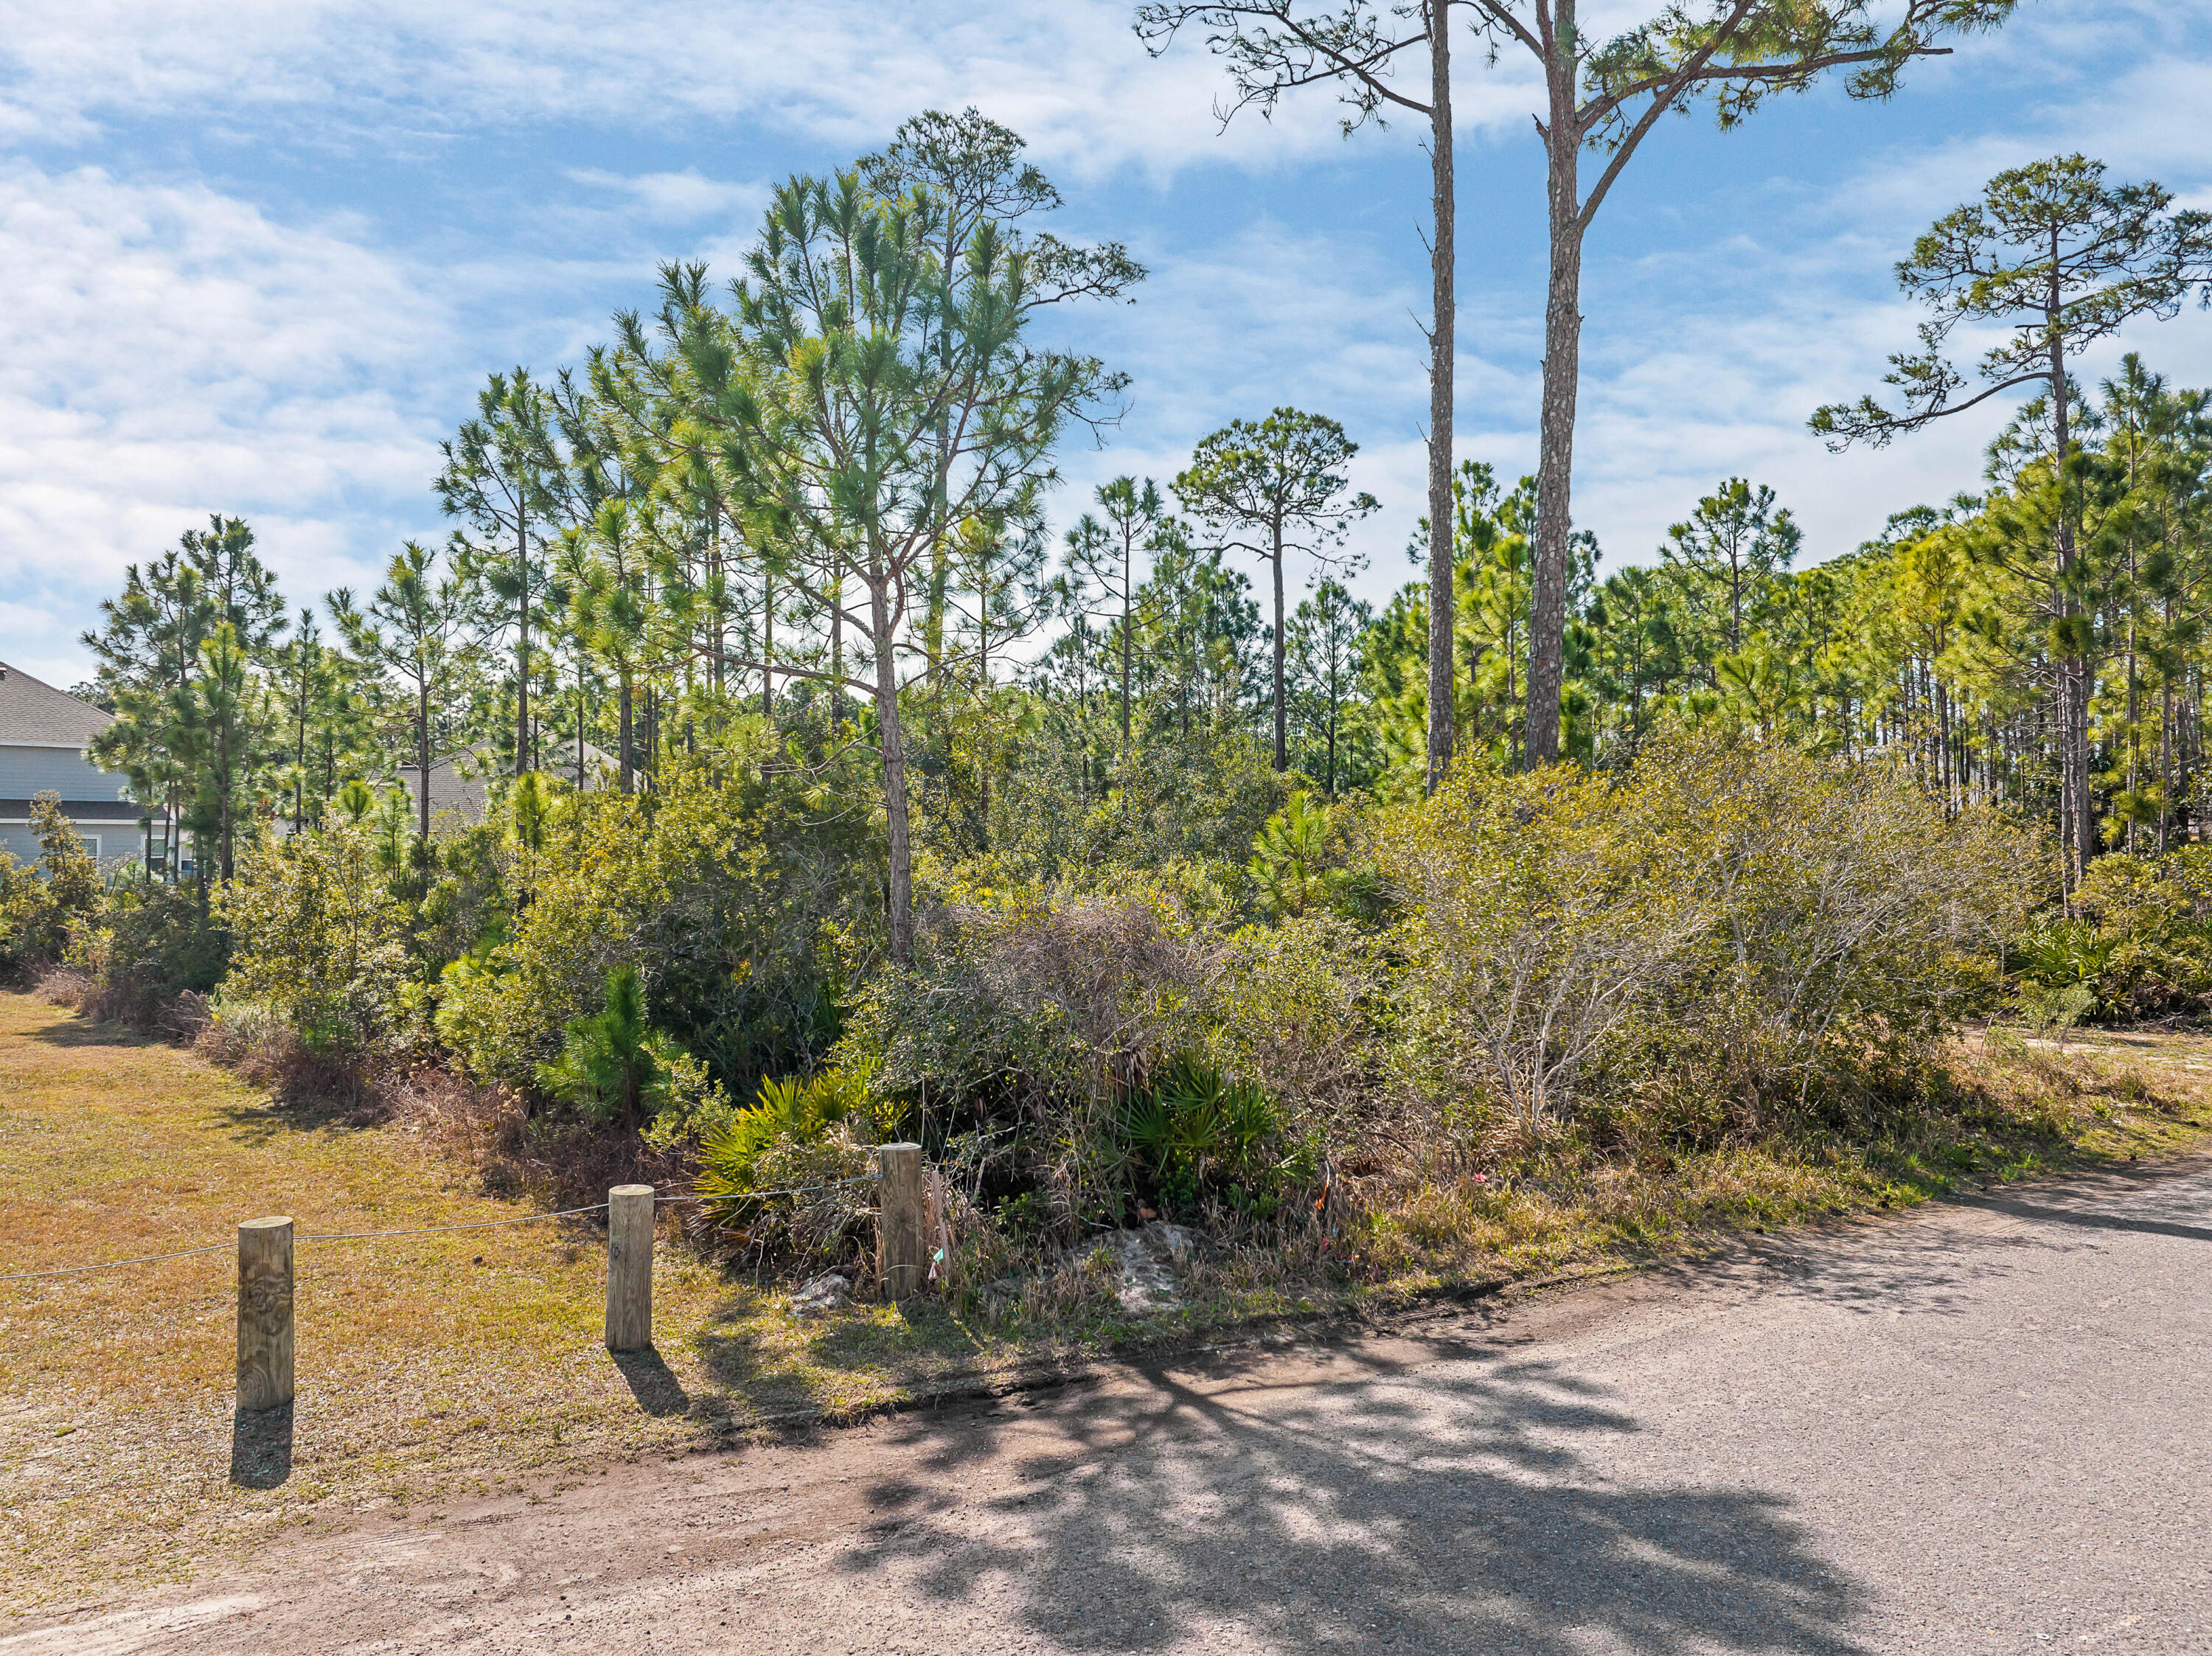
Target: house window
point(91, 843)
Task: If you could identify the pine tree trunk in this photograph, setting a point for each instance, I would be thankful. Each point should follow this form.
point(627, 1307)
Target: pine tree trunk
point(423, 757)
point(1441, 346)
point(768, 649)
point(223, 781)
point(899, 910)
point(629, 771)
point(837, 652)
point(1282, 744)
point(2073, 667)
point(521, 649)
point(1548, 609)
point(1128, 601)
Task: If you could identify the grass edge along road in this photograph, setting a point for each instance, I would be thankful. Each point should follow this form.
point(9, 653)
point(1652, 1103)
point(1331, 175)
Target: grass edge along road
point(436, 1367)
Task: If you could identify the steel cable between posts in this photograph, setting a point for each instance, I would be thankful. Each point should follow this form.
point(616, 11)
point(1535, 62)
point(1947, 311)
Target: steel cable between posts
point(423, 1230)
point(439, 1230)
point(109, 1265)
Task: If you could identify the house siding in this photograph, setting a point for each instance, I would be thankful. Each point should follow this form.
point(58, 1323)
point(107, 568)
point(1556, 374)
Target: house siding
point(25, 772)
point(108, 841)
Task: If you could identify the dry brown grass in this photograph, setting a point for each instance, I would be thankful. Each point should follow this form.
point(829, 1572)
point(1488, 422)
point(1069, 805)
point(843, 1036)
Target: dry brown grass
point(2015, 1108)
point(428, 1366)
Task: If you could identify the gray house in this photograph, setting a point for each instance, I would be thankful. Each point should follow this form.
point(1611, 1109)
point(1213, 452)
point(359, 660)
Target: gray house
point(460, 783)
point(43, 735)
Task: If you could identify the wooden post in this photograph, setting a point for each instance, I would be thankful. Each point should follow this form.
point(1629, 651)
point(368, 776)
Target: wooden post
point(265, 1312)
point(630, 1267)
point(900, 1236)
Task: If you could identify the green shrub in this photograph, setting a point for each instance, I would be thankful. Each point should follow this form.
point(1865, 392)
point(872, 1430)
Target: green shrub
point(148, 944)
point(799, 1112)
point(1201, 800)
point(1017, 1009)
point(39, 905)
point(319, 938)
point(2049, 1010)
point(739, 895)
point(689, 1106)
point(1193, 1133)
point(815, 1213)
point(1077, 1053)
point(1544, 917)
point(1304, 1009)
point(1729, 928)
point(1852, 922)
point(613, 1067)
point(2141, 946)
point(22, 903)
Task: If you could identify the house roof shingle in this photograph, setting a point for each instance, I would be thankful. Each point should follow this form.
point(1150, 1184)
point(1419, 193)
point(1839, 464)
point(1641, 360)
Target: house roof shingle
point(34, 714)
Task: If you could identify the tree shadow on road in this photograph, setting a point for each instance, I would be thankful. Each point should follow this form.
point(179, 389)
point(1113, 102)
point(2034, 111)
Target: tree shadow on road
point(1915, 1276)
point(1932, 1263)
point(2090, 1219)
point(1425, 1514)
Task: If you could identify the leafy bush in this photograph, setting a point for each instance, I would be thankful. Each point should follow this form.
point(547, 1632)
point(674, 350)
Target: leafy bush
point(148, 945)
point(1852, 921)
point(1545, 917)
point(320, 938)
point(2141, 946)
point(773, 1175)
point(2049, 1010)
point(1201, 800)
point(784, 1113)
point(22, 902)
point(730, 895)
point(1073, 1055)
point(1011, 1012)
point(1730, 927)
point(1194, 1133)
point(39, 905)
point(1304, 1009)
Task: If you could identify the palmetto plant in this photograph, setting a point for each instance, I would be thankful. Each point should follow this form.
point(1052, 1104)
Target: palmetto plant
point(1195, 1129)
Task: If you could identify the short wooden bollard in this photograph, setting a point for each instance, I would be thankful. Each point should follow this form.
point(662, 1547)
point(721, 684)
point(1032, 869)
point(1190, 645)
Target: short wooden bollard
point(901, 1231)
point(630, 1267)
point(265, 1312)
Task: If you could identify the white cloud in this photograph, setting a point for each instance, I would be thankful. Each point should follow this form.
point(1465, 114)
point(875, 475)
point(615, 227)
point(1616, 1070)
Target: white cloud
point(168, 352)
point(1267, 316)
point(1683, 391)
point(1072, 77)
point(682, 198)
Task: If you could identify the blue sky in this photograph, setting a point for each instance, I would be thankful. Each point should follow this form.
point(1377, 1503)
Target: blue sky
point(256, 255)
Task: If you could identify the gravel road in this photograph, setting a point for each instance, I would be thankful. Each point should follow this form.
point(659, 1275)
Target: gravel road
point(1979, 1428)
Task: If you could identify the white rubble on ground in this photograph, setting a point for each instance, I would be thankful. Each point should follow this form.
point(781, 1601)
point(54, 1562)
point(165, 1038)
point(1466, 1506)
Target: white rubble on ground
point(1149, 1259)
point(823, 1293)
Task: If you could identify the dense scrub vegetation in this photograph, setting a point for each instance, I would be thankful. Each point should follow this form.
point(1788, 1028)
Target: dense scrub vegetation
point(1727, 941)
point(821, 806)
